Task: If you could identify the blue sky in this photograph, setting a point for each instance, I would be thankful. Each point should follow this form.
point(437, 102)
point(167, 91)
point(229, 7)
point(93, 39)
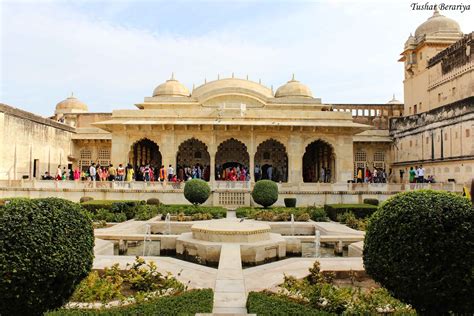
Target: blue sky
point(113, 53)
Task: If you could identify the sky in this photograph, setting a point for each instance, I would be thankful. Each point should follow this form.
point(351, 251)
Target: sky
point(112, 54)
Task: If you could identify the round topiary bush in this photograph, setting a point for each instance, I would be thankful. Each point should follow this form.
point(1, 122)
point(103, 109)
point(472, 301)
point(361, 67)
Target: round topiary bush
point(153, 201)
point(46, 249)
point(419, 245)
point(85, 199)
point(290, 202)
point(197, 191)
point(371, 201)
point(265, 193)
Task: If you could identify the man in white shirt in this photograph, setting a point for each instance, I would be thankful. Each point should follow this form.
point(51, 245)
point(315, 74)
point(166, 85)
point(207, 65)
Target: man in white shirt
point(170, 172)
point(92, 172)
point(421, 174)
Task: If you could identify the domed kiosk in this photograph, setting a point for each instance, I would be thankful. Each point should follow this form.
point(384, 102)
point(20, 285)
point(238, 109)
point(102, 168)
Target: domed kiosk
point(293, 89)
point(438, 25)
point(171, 88)
point(71, 105)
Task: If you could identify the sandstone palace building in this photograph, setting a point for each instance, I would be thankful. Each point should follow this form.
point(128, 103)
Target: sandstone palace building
point(235, 121)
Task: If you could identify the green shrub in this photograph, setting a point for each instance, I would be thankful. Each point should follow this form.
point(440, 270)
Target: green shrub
point(266, 303)
point(187, 303)
point(317, 214)
point(145, 212)
point(290, 202)
point(265, 193)
point(94, 205)
point(190, 210)
point(419, 245)
point(304, 217)
point(196, 191)
point(46, 249)
point(126, 207)
point(371, 202)
point(85, 199)
point(153, 201)
point(359, 210)
point(100, 288)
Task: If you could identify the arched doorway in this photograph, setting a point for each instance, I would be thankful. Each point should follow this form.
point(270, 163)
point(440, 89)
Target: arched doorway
point(271, 159)
point(193, 160)
point(231, 154)
point(319, 162)
point(144, 152)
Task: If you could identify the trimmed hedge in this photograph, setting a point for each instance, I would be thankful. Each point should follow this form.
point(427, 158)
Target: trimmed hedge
point(94, 205)
point(290, 202)
point(372, 202)
point(359, 210)
point(265, 193)
point(85, 199)
point(190, 210)
point(46, 249)
point(153, 201)
point(419, 245)
point(266, 303)
point(282, 214)
point(197, 191)
point(187, 303)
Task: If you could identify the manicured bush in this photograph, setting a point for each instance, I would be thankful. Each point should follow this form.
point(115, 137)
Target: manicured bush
point(187, 303)
point(266, 303)
point(265, 193)
point(94, 205)
point(46, 249)
point(419, 245)
point(197, 191)
point(145, 212)
point(290, 202)
point(278, 214)
point(153, 201)
point(85, 199)
point(359, 210)
point(371, 202)
point(190, 210)
point(317, 214)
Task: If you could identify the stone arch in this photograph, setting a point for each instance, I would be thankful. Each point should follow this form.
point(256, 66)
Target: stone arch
point(193, 153)
point(231, 153)
point(319, 155)
point(143, 152)
point(272, 153)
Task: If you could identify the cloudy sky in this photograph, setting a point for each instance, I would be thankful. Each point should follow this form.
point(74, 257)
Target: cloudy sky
point(112, 54)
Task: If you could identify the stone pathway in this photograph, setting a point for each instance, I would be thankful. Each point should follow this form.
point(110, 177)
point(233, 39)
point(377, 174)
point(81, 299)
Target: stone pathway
point(229, 292)
point(231, 214)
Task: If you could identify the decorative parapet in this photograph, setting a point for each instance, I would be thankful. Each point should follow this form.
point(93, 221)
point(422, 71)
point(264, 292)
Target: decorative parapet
point(454, 73)
point(444, 113)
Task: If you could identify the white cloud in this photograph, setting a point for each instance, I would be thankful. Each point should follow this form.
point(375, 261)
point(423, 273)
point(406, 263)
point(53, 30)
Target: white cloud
point(345, 52)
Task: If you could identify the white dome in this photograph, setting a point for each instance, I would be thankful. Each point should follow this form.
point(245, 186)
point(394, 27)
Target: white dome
point(171, 88)
point(293, 88)
point(71, 105)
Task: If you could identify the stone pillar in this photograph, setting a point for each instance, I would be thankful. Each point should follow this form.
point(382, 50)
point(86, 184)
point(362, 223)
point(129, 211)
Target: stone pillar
point(344, 150)
point(168, 150)
point(295, 159)
point(120, 149)
point(212, 166)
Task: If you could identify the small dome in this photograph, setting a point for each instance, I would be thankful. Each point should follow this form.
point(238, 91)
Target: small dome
point(410, 40)
point(394, 101)
point(438, 25)
point(293, 88)
point(171, 88)
point(71, 105)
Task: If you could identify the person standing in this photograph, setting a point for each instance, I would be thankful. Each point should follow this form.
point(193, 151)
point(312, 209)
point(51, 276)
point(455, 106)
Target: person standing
point(401, 175)
point(92, 172)
point(270, 172)
point(411, 175)
point(112, 173)
point(130, 173)
point(120, 173)
point(359, 176)
point(421, 174)
point(77, 174)
point(416, 175)
point(170, 172)
point(162, 173)
point(322, 176)
point(257, 172)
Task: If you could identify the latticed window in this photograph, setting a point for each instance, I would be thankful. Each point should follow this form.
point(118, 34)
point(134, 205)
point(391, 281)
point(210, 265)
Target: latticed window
point(379, 156)
point(104, 156)
point(360, 156)
point(85, 159)
point(379, 159)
